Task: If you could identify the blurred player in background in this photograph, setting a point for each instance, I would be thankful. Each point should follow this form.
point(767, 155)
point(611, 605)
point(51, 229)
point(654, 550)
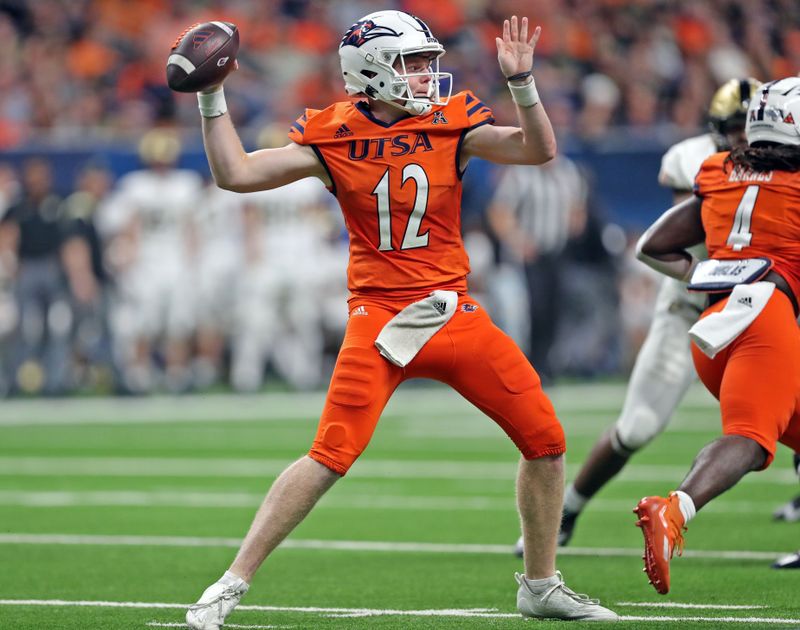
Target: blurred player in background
point(663, 370)
point(9, 191)
point(395, 162)
point(33, 236)
point(285, 245)
point(82, 251)
point(153, 250)
point(746, 346)
point(220, 232)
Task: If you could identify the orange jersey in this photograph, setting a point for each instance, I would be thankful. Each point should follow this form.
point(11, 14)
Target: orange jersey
point(747, 214)
point(399, 187)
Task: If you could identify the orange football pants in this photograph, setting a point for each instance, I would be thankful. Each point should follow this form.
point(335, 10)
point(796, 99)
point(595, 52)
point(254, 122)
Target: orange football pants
point(469, 353)
point(757, 377)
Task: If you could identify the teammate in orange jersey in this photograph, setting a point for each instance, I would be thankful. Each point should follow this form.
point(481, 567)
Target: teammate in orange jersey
point(395, 162)
point(746, 346)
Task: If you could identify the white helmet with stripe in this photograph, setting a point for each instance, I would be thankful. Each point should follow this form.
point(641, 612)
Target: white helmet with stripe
point(371, 47)
point(774, 113)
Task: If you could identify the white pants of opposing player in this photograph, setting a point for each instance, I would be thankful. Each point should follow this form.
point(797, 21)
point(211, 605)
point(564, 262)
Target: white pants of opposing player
point(663, 370)
point(278, 318)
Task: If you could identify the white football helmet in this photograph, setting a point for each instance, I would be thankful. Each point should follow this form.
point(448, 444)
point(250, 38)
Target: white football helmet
point(774, 113)
point(369, 50)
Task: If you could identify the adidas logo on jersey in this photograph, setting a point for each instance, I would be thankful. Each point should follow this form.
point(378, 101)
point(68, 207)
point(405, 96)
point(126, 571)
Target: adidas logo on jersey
point(359, 310)
point(440, 306)
point(746, 301)
point(343, 132)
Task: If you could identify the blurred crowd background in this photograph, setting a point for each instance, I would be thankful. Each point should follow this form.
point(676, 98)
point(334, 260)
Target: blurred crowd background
point(123, 269)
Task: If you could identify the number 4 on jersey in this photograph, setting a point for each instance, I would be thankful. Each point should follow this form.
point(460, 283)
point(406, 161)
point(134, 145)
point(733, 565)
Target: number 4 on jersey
point(740, 235)
point(412, 238)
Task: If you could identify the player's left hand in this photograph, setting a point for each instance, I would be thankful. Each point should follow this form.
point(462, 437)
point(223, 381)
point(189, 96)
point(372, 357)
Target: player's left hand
point(515, 50)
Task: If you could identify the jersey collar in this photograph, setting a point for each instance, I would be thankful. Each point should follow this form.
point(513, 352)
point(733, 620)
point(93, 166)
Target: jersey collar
point(363, 107)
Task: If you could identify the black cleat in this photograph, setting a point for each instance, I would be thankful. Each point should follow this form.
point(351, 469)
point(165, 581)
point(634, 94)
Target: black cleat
point(567, 527)
point(792, 561)
point(564, 533)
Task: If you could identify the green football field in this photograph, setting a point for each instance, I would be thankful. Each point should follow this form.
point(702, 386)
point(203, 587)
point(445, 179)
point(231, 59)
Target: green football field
point(118, 513)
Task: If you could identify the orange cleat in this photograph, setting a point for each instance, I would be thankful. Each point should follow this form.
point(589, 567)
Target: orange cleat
point(662, 526)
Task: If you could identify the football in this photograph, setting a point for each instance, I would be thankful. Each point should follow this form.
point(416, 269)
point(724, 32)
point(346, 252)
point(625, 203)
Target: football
point(202, 55)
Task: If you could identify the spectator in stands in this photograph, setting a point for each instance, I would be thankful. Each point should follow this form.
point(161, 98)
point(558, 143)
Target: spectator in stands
point(75, 66)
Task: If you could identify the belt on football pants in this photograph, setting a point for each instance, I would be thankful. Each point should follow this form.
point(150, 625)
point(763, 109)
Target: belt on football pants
point(778, 280)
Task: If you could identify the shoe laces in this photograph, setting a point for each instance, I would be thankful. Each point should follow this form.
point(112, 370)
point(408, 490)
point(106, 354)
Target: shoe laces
point(581, 598)
point(677, 544)
point(675, 529)
point(228, 593)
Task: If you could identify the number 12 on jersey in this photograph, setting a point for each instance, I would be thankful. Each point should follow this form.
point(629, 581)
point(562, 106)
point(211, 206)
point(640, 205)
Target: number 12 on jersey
point(412, 238)
point(740, 235)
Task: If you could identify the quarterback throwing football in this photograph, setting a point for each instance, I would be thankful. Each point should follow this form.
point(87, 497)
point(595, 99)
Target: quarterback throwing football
point(394, 160)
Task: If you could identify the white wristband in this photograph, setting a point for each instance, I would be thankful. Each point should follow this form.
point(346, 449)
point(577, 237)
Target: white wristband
point(213, 104)
point(524, 95)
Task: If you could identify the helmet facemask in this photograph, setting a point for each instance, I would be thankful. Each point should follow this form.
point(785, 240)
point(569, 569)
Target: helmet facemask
point(375, 44)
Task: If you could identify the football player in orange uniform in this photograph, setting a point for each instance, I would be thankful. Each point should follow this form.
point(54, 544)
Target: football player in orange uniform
point(746, 346)
point(394, 160)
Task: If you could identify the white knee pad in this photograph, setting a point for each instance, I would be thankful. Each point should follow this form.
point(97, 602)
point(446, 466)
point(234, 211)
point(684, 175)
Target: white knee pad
point(661, 376)
point(635, 428)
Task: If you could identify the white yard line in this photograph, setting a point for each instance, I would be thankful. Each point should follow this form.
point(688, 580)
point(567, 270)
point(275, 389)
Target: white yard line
point(748, 620)
point(691, 606)
point(224, 500)
point(156, 624)
point(355, 545)
point(338, 499)
point(438, 401)
point(372, 612)
point(365, 468)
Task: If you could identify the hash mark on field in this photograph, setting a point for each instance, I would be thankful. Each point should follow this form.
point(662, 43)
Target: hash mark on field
point(370, 612)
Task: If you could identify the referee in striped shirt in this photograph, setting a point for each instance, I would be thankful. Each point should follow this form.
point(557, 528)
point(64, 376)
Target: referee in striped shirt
point(530, 216)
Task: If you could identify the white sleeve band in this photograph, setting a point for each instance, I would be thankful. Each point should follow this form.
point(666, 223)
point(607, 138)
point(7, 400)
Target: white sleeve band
point(524, 95)
point(213, 104)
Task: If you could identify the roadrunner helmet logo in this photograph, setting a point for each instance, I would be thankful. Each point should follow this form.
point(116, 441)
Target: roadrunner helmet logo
point(361, 32)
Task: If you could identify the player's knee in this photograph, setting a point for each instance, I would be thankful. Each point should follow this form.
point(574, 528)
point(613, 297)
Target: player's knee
point(544, 441)
point(340, 440)
point(636, 429)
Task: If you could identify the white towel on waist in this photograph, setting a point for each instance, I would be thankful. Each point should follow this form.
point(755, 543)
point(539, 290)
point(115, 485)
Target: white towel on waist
point(718, 330)
point(405, 334)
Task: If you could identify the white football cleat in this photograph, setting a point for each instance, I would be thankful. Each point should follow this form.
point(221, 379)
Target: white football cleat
point(216, 603)
point(559, 602)
point(789, 512)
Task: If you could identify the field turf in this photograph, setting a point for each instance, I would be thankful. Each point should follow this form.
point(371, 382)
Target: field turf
point(118, 513)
